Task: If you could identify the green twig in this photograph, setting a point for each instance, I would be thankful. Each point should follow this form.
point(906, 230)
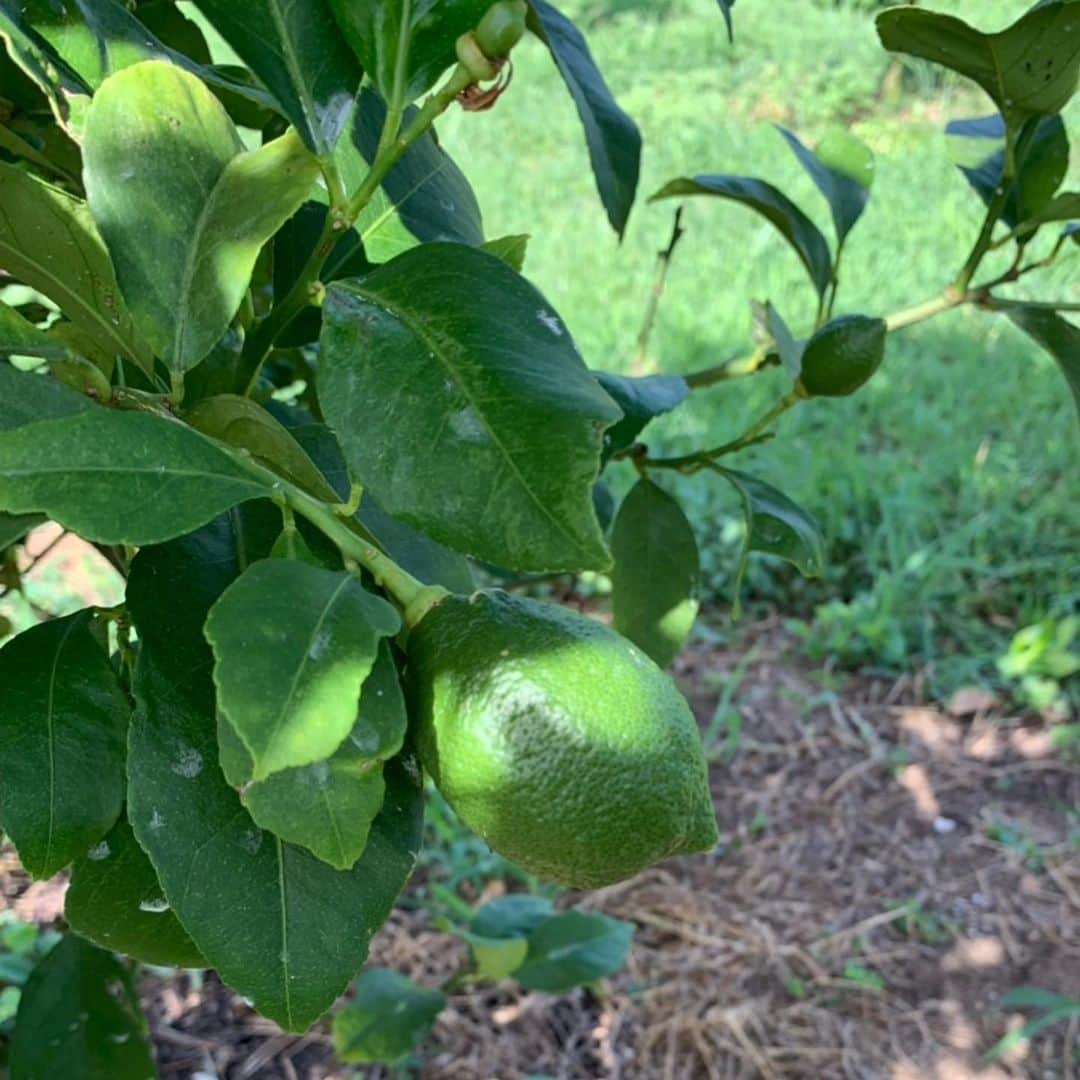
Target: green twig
point(414, 597)
point(342, 216)
point(756, 433)
point(663, 265)
point(738, 367)
point(948, 300)
point(994, 210)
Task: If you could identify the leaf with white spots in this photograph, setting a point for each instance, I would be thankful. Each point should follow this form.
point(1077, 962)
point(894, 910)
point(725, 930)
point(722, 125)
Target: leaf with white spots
point(79, 1018)
point(283, 928)
point(328, 807)
point(293, 645)
point(464, 408)
point(115, 900)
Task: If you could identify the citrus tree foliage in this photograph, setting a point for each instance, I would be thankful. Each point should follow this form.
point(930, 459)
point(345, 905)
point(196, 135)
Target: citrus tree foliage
point(297, 395)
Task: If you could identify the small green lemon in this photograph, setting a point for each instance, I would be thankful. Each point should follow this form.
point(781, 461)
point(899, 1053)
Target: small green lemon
point(843, 355)
point(556, 740)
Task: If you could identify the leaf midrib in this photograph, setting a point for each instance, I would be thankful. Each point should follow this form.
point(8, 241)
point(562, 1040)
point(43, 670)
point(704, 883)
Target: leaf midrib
point(125, 470)
point(292, 66)
point(74, 300)
point(287, 702)
point(50, 728)
point(435, 348)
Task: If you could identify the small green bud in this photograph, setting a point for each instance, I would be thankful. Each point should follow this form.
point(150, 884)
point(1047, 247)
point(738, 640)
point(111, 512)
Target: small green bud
point(474, 60)
point(502, 27)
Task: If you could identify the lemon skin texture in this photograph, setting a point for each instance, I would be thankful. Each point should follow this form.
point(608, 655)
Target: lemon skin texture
point(556, 740)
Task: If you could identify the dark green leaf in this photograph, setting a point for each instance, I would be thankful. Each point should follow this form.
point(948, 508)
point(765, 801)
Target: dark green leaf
point(1060, 208)
point(429, 194)
point(293, 645)
point(573, 949)
point(49, 242)
point(604, 504)
point(386, 1019)
point(1041, 165)
point(62, 722)
point(517, 915)
point(298, 52)
point(477, 378)
point(1029, 69)
point(174, 29)
point(183, 208)
point(294, 244)
point(328, 807)
point(405, 46)
point(842, 355)
point(116, 901)
point(799, 231)
point(26, 148)
point(79, 1018)
point(282, 927)
point(26, 397)
point(242, 422)
point(775, 526)
point(1059, 337)
point(641, 400)
point(842, 167)
point(613, 138)
point(415, 552)
point(173, 587)
point(657, 572)
point(725, 10)
point(119, 477)
point(13, 529)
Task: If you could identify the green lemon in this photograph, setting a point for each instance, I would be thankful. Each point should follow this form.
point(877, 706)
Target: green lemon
point(556, 740)
point(842, 355)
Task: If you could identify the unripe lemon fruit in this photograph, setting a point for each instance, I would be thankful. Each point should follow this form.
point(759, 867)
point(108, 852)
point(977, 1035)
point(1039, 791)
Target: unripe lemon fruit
point(843, 355)
point(556, 740)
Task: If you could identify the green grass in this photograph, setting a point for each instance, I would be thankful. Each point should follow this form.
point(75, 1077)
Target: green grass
point(947, 488)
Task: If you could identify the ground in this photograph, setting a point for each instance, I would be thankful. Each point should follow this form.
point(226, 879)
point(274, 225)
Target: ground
point(858, 920)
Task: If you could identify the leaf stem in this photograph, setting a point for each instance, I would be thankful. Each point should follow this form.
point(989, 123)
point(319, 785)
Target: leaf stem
point(413, 596)
point(994, 210)
point(756, 433)
point(738, 367)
